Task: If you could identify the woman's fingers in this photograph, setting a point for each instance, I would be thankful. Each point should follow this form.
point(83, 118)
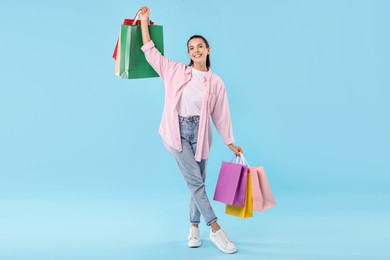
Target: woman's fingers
point(144, 9)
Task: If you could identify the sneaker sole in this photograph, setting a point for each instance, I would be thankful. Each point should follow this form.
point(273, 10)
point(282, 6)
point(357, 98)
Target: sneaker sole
point(194, 246)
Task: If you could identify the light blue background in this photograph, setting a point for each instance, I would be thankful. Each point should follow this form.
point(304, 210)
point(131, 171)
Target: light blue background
point(83, 172)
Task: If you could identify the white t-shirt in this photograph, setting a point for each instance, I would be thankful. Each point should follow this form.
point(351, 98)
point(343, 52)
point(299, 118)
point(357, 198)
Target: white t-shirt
point(192, 96)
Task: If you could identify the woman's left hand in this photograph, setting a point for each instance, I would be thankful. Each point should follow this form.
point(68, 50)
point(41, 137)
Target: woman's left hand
point(236, 149)
point(144, 13)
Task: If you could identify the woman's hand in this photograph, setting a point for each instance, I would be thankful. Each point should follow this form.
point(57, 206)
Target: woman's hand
point(236, 149)
point(144, 13)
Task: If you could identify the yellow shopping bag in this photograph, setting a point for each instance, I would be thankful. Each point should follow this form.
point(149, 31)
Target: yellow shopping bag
point(247, 210)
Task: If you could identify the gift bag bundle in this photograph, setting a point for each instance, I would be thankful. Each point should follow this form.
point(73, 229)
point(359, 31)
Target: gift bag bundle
point(243, 188)
point(130, 60)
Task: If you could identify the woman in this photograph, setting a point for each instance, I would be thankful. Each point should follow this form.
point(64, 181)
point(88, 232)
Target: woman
point(192, 94)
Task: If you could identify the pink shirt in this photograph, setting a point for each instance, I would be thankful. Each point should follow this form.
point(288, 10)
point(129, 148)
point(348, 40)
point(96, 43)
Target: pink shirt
point(215, 104)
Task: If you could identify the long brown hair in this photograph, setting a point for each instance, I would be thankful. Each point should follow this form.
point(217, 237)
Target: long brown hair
point(207, 46)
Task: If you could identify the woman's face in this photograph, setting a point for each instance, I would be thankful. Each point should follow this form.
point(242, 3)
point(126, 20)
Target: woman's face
point(198, 51)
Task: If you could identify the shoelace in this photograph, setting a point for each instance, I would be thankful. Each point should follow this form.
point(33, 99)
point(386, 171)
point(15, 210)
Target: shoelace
point(225, 239)
point(192, 234)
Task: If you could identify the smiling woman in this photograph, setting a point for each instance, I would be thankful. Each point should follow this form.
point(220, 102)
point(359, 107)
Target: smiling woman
point(194, 94)
point(198, 48)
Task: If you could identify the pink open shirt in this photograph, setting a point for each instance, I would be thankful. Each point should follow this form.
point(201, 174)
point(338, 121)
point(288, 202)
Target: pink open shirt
point(215, 103)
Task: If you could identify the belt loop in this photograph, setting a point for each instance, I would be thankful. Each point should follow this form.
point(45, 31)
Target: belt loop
point(189, 119)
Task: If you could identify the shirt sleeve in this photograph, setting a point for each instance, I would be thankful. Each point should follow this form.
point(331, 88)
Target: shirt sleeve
point(158, 62)
point(221, 117)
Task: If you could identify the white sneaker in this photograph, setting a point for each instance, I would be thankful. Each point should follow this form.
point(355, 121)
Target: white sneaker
point(193, 238)
point(221, 240)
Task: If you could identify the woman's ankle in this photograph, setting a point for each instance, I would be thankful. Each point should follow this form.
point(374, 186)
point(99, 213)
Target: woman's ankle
point(215, 227)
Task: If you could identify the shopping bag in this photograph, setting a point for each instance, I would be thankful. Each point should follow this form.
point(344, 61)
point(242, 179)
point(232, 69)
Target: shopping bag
point(247, 210)
point(231, 184)
point(132, 59)
point(132, 63)
point(127, 22)
point(263, 198)
point(257, 197)
point(117, 56)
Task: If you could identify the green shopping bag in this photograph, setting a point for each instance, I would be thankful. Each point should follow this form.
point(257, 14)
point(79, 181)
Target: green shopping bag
point(133, 64)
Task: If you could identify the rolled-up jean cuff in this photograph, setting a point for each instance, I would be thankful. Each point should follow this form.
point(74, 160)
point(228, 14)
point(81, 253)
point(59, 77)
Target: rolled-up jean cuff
point(195, 222)
point(212, 221)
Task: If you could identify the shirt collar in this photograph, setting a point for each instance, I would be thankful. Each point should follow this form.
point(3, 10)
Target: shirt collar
point(208, 75)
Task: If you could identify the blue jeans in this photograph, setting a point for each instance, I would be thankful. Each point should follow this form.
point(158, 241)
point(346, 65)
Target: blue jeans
point(194, 172)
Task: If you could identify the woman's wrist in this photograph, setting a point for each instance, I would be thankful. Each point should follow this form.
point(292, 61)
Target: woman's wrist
point(144, 21)
point(231, 146)
point(236, 149)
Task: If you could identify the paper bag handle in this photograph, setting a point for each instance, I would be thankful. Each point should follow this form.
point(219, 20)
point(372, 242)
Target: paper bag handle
point(240, 159)
point(136, 18)
point(243, 159)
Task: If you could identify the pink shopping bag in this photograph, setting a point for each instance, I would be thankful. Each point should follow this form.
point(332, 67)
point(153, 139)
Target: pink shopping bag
point(231, 184)
point(263, 198)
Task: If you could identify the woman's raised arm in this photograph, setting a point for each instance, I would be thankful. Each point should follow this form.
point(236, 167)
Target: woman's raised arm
point(144, 15)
